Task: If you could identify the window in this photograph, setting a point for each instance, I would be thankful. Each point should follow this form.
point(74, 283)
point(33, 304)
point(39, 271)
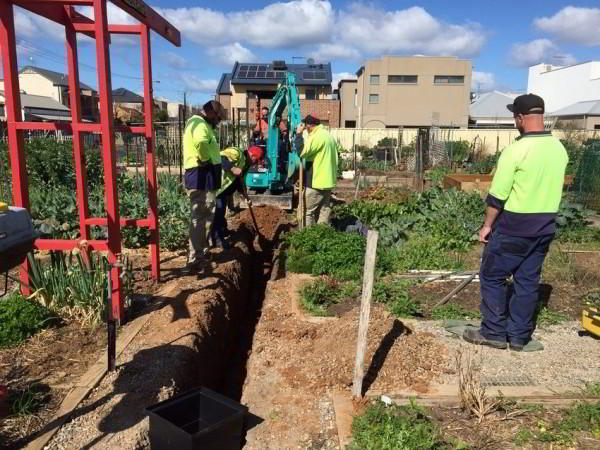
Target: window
point(402, 79)
point(350, 124)
point(355, 97)
point(374, 79)
point(311, 94)
point(449, 79)
point(373, 98)
point(596, 127)
point(1, 110)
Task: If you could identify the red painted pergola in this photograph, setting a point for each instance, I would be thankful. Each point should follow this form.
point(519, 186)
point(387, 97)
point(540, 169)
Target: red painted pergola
point(63, 12)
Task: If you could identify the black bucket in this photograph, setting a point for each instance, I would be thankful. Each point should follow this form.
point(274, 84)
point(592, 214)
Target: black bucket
point(199, 419)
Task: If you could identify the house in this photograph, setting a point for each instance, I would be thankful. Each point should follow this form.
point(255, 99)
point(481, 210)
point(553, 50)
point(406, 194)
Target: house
point(564, 86)
point(489, 110)
point(253, 85)
point(581, 115)
point(128, 106)
point(40, 82)
point(36, 108)
point(411, 92)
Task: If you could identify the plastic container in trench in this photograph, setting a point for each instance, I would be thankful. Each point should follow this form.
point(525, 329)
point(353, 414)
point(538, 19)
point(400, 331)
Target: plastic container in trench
point(199, 419)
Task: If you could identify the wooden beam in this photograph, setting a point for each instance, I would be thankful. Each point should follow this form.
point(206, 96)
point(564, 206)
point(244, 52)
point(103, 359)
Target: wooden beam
point(145, 14)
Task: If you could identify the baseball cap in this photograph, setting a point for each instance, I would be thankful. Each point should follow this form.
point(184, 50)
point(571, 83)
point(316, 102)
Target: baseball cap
point(311, 120)
point(527, 104)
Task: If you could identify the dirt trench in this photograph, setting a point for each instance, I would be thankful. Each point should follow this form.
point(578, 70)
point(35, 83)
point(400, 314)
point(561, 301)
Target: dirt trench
point(200, 333)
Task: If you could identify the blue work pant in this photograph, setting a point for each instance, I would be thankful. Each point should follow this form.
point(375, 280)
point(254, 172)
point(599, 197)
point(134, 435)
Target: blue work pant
point(504, 319)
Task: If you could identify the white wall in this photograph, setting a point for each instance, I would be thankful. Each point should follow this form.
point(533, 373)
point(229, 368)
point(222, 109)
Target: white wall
point(35, 84)
point(562, 87)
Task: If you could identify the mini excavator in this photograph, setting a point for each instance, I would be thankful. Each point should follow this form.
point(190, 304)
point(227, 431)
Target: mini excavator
point(270, 181)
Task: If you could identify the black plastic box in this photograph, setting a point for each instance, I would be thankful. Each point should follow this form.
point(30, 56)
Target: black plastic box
point(199, 419)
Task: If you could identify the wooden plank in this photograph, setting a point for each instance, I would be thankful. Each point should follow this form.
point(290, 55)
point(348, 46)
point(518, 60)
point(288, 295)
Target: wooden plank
point(344, 413)
point(365, 311)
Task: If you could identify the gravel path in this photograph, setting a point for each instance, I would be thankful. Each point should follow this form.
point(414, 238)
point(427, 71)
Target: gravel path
point(568, 359)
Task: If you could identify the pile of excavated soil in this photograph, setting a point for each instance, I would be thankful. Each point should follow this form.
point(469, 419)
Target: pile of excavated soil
point(321, 355)
point(270, 220)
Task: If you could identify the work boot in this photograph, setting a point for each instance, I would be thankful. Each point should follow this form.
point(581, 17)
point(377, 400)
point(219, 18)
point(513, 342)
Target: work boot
point(473, 336)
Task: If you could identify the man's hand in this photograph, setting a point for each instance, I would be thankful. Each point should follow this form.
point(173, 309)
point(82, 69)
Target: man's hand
point(236, 171)
point(248, 202)
point(484, 234)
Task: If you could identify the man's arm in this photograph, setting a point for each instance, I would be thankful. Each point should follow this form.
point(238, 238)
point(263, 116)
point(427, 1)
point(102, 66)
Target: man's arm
point(491, 214)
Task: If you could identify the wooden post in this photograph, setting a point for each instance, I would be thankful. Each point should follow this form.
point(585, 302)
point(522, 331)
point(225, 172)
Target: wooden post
point(365, 311)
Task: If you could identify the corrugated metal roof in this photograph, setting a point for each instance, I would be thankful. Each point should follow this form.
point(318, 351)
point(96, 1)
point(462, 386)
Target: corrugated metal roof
point(587, 108)
point(58, 79)
point(123, 95)
point(38, 101)
point(224, 86)
point(492, 105)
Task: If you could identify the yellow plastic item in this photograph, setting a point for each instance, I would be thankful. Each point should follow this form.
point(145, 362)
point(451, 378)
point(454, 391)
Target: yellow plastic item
point(3, 207)
point(590, 320)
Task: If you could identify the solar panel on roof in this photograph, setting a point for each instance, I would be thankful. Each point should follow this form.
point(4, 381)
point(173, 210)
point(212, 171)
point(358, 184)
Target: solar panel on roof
point(271, 74)
point(253, 68)
point(320, 76)
point(280, 74)
point(242, 74)
point(261, 74)
point(308, 75)
point(251, 74)
point(244, 67)
point(262, 68)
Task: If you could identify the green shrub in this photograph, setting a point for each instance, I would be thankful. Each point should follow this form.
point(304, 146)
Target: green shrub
point(452, 311)
point(21, 318)
point(423, 252)
point(394, 294)
point(458, 151)
point(484, 165)
point(319, 295)
point(394, 427)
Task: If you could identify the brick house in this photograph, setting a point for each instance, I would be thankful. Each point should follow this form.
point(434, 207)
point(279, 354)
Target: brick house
point(251, 86)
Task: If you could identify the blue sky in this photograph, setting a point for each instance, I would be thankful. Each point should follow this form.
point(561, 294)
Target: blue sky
point(502, 39)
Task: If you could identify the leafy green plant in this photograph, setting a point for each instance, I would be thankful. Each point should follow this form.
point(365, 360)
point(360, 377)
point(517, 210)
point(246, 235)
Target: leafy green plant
point(437, 175)
point(74, 286)
point(422, 252)
point(452, 311)
point(29, 399)
point(484, 165)
point(394, 427)
point(319, 295)
point(395, 295)
point(21, 318)
point(545, 317)
point(458, 151)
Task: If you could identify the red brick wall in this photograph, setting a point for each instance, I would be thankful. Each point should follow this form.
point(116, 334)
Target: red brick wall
point(326, 110)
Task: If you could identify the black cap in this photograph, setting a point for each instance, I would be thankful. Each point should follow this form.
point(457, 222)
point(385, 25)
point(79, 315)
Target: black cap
point(527, 104)
point(311, 120)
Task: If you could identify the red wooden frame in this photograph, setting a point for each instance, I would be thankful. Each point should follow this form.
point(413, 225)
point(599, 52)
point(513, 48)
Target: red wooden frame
point(62, 12)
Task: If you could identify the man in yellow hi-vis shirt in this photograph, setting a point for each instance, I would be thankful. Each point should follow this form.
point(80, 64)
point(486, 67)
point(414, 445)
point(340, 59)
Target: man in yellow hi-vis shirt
point(320, 154)
point(202, 163)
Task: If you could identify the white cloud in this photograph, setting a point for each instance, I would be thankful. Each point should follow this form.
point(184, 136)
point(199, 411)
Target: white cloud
point(573, 24)
point(173, 60)
point(30, 26)
point(412, 30)
point(329, 52)
point(538, 51)
point(194, 83)
point(278, 25)
point(483, 81)
point(229, 54)
point(337, 77)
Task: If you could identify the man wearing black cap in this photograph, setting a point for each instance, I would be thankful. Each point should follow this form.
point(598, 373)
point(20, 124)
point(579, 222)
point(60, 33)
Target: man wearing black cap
point(320, 154)
point(202, 164)
point(519, 226)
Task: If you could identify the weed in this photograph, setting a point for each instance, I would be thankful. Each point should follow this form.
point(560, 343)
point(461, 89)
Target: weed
point(423, 252)
point(523, 436)
point(396, 297)
point(545, 317)
point(394, 427)
point(21, 318)
point(592, 389)
point(582, 417)
point(28, 400)
point(452, 311)
point(319, 295)
point(473, 397)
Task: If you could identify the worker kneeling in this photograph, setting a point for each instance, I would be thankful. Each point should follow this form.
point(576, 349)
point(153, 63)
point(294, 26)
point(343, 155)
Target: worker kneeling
point(321, 159)
point(235, 163)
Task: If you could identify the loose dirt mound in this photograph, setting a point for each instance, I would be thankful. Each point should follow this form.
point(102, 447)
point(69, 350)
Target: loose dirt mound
point(269, 219)
point(321, 356)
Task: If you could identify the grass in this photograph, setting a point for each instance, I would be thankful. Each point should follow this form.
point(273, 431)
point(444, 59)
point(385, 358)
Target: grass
point(592, 389)
point(545, 317)
point(395, 427)
point(321, 294)
point(28, 400)
point(453, 312)
point(395, 296)
point(580, 417)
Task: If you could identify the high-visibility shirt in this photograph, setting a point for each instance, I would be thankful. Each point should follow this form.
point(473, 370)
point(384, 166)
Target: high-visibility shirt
point(528, 185)
point(232, 157)
point(201, 156)
point(321, 155)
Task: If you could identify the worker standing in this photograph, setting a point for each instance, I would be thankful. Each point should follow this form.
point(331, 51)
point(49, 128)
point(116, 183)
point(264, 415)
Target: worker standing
point(235, 166)
point(320, 154)
point(519, 226)
point(202, 163)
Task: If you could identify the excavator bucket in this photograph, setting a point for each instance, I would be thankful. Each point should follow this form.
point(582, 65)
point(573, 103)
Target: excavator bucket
point(283, 201)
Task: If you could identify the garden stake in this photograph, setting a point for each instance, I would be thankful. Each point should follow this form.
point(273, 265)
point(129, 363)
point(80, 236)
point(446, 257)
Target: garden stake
point(462, 285)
